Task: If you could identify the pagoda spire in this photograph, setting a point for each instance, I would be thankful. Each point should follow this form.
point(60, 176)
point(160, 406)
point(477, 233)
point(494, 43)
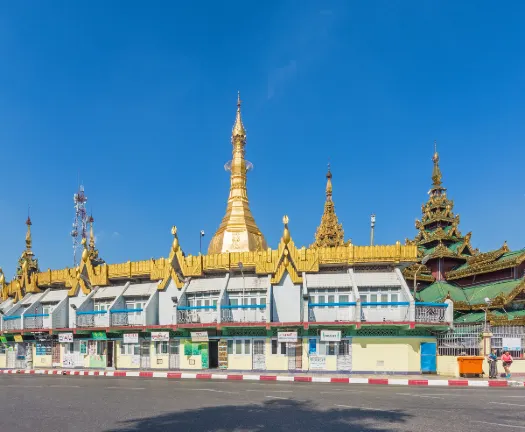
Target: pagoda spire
point(238, 231)
point(27, 260)
point(436, 171)
point(330, 232)
point(92, 250)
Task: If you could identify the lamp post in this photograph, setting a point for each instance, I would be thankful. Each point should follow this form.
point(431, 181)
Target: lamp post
point(200, 241)
point(372, 226)
point(243, 288)
point(488, 302)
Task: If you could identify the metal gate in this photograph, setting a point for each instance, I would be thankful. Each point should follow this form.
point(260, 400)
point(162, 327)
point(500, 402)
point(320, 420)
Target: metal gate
point(145, 359)
point(344, 356)
point(294, 350)
point(174, 354)
point(428, 357)
point(55, 354)
point(11, 357)
point(20, 359)
point(259, 358)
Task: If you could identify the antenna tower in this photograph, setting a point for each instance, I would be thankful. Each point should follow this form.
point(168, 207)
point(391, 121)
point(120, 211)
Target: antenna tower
point(79, 230)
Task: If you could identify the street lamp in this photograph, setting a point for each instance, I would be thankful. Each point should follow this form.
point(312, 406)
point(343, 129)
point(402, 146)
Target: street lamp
point(488, 302)
point(243, 288)
point(200, 241)
point(372, 226)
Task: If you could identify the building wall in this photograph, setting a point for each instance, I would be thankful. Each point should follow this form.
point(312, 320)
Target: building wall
point(448, 366)
point(240, 362)
point(286, 301)
point(3, 361)
point(166, 309)
point(190, 362)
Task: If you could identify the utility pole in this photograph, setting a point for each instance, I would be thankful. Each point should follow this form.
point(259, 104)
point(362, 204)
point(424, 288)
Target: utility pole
point(200, 241)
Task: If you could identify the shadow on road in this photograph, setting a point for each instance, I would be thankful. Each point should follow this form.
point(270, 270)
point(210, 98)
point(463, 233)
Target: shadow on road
point(271, 416)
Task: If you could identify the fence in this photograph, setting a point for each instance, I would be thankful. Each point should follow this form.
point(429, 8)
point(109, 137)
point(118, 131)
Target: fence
point(466, 340)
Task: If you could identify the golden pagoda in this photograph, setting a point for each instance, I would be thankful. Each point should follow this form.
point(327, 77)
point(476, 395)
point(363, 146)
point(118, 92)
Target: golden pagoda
point(330, 232)
point(238, 231)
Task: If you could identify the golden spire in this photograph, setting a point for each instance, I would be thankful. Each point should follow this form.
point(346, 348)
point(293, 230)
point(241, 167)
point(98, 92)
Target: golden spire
point(330, 232)
point(436, 172)
point(27, 260)
point(238, 231)
point(92, 250)
point(29, 241)
point(91, 234)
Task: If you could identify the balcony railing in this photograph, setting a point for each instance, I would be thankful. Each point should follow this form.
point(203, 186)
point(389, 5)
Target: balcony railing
point(13, 322)
point(431, 312)
point(127, 317)
point(196, 314)
point(36, 321)
point(331, 312)
point(385, 312)
point(92, 319)
point(243, 313)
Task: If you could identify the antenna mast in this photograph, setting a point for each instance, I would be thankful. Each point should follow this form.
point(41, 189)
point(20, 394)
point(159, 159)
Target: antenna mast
point(79, 230)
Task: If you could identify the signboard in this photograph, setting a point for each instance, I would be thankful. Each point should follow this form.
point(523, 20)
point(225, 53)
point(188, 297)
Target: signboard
point(160, 336)
point(19, 338)
point(99, 335)
point(201, 336)
point(330, 335)
point(65, 337)
point(287, 336)
point(43, 349)
point(511, 344)
point(3, 339)
point(317, 362)
point(130, 338)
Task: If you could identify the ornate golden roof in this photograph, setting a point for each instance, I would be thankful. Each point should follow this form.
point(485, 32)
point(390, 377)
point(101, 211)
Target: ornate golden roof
point(238, 231)
point(330, 232)
point(27, 260)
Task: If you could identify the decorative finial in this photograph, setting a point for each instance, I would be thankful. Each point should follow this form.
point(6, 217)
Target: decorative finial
point(286, 232)
point(175, 244)
point(91, 220)
point(29, 241)
point(329, 184)
point(436, 172)
point(238, 128)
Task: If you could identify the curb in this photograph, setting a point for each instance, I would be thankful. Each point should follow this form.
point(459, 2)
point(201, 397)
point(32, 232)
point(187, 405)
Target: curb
point(242, 377)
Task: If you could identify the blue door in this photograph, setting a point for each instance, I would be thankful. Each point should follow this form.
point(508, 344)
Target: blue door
point(428, 357)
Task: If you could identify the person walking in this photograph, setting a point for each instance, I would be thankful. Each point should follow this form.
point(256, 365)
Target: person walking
point(492, 358)
point(507, 360)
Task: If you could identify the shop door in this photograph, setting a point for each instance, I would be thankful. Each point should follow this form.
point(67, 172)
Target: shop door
point(11, 357)
point(344, 356)
point(111, 346)
point(174, 354)
point(145, 359)
point(294, 351)
point(259, 358)
point(428, 357)
point(20, 360)
point(55, 354)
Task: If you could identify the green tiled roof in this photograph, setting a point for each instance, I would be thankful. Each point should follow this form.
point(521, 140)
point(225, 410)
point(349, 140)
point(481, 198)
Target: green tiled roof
point(438, 291)
point(506, 256)
point(479, 317)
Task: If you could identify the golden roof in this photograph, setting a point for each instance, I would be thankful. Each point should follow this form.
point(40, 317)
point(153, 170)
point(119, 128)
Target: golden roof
point(238, 231)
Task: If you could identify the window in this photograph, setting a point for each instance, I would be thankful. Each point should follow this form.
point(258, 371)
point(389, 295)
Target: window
point(247, 346)
point(320, 299)
point(283, 348)
point(331, 300)
point(343, 298)
point(83, 347)
point(130, 349)
point(253, 301)
point(46, 310)
point(161, 347)
point(69, 348)
point(262, 301)
point(238, 347)
point(230, 347)
point(234, 301)
point(373, 299)
point(394, 298)
point(275, 347)
point(384, 299)
point(363, 298)
point(312, 346)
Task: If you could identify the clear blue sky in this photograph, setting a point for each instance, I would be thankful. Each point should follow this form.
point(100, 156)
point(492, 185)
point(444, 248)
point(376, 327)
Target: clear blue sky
point(139, 98)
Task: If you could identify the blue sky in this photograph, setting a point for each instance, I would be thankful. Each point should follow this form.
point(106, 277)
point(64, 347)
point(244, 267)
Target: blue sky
point(138, 99)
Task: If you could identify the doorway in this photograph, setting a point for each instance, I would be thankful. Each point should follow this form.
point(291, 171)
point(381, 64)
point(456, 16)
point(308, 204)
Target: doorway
point(214, 354)
point(110, 354)
point(428, 357)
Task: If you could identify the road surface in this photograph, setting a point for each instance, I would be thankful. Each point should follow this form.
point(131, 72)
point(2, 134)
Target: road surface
point(41, 403)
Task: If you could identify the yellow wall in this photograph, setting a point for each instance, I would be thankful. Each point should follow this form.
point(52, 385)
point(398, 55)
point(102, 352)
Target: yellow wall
point(239, 362)
point(274, 361)
point(3, 361)
point(448, 366)
point(387, 354)
point(185, 361)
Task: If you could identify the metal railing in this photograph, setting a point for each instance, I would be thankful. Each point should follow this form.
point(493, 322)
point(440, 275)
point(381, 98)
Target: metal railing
point(127, 317)
point(243, 313)
point(12, 322)
point(389, 312)
point(463, 340)
point(92, 319)
point(431, 312)
point(331, 312)
point(196, 314)
point(36, 321)
point(502, 334)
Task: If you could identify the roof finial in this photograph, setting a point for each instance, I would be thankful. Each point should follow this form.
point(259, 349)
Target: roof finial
point(29, 241)
point(238, 127)
point(436, 172)
point(91, 233)
point(329, 184)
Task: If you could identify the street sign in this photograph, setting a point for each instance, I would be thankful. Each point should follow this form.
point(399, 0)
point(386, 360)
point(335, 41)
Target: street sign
point(99, 335)
point(317, 362)
point(130, 338)
point(330, 335)
point(201, 336)
point(65, 337)
point(160, 336)
point(287, 336)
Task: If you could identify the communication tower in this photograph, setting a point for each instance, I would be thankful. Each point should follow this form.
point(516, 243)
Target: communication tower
point(79, 230)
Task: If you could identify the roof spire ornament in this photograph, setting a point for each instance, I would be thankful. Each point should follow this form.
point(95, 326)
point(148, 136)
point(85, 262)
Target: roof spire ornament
point(330, 232)
point(27, 260)
point(436, 172)
point(238, 231)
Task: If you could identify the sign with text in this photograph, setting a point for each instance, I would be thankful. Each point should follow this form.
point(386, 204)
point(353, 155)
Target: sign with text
point(99, 335)
point(511, 344)
point(330, 335)
point(130, 338)
point(3, 339)
point(317, 362)
point(65, 337)
point(160, 336)
point(19, 338)
point(200, 336)
point(287, 336)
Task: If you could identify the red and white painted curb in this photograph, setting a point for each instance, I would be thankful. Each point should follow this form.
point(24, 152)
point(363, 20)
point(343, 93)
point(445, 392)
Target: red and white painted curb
point(248, 377)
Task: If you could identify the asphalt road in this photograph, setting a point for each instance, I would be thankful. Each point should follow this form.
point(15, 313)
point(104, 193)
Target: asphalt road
point(39, 403)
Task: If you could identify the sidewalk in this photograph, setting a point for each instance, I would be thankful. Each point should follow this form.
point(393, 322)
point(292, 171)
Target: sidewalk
point(417, 380)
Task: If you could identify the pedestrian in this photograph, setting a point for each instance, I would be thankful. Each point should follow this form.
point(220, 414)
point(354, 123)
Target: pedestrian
point(492, 358)
point(507, 360)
